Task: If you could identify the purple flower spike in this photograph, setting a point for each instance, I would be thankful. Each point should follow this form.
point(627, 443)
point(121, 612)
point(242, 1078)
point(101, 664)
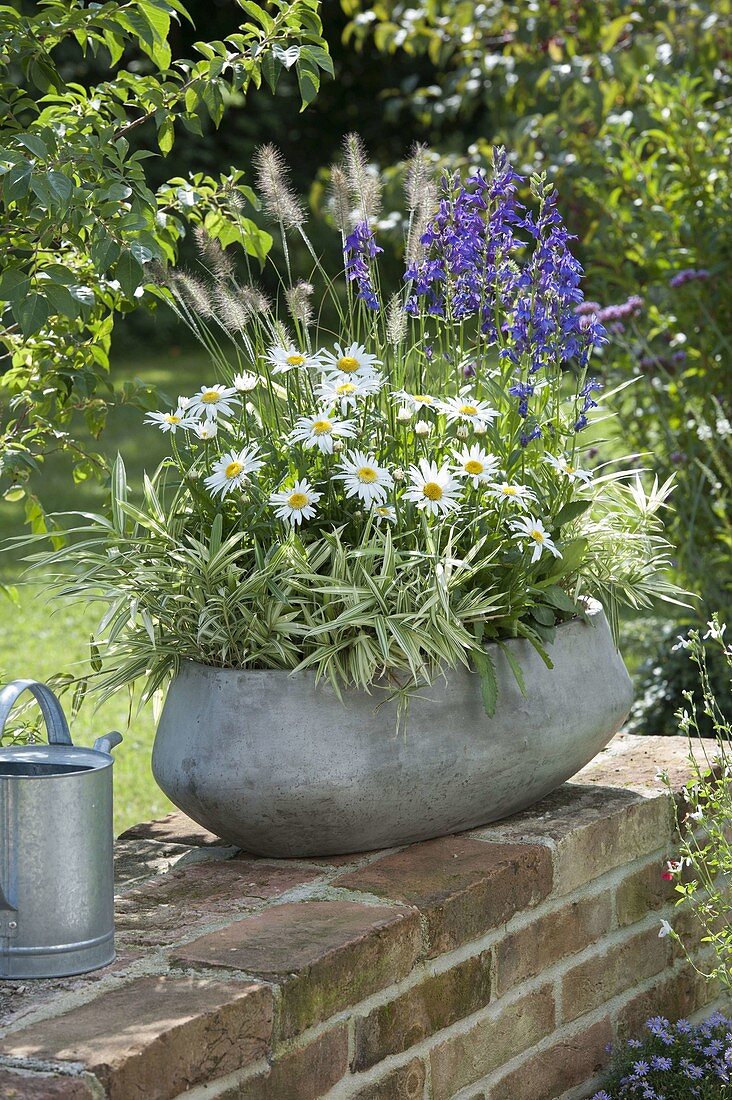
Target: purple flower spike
point(361, 248)
point(688, 275)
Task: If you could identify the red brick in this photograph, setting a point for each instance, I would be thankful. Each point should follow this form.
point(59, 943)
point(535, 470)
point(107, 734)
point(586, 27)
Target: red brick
point(328, 955)
point(612, 970)
point(404, 1083)
point(156, 1037)
point(633, 763)
point(465, 1059)
point(463, 887)
point(45, 1086)
point(304, 1074)
point(590, 830)
point(541, 944)
point(428, 1007)
point(551, 1073)
point(175, 828)
point(675, 996)
point(159, 911)
point(642, 892)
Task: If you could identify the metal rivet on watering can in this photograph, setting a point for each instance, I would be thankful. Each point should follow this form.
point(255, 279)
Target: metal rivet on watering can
point(56, 847)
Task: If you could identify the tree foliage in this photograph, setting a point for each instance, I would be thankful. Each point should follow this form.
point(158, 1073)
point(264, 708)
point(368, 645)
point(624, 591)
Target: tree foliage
point(79, 221)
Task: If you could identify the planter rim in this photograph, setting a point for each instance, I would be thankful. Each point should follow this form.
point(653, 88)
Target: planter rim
point(594, 610)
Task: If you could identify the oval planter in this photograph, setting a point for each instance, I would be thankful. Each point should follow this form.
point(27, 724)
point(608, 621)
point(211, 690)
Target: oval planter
point(271, 762)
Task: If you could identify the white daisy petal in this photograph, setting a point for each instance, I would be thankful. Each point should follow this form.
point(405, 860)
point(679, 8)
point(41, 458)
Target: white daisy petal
point(284, 359)
point(171, 421)
point(232, 470)
point(476, 464)
point(532, 534)
point(213, 401)
point(320, 431)
point(563, 466)
point(433, 489)
point(364, 478)
point(297, 503)
point(466, 409)
point(352, 360)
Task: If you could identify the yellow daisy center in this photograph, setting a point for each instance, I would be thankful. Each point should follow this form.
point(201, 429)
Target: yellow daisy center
point(568, 468)
point(210, 397)
point(509, 491)
point(432, 490)
point(423, 398)
point(468, 410)
point(295, 360)
point(346, 387)
point(322, 427)
point(173, 419)
point(297, 500)
point(383, 511)
point(537, 535)
point(473, 466)
point(348, 364)
point(367, 474)
point(233, 469)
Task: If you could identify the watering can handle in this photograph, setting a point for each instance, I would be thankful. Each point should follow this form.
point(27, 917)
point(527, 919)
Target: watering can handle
point(53, 715)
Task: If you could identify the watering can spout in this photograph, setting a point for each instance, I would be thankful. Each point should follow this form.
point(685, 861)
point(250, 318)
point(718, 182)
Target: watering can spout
point(108, 742)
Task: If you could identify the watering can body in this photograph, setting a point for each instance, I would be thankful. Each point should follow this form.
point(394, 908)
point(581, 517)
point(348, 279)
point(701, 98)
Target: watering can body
point(56, 849)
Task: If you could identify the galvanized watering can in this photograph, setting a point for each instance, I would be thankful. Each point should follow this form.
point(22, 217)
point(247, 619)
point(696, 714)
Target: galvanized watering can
point(56, 873)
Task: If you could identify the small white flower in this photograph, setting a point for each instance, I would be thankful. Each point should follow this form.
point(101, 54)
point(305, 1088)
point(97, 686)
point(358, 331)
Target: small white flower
point(704, 432)
point(232, 470)
point(475, 463)
point(347, 394)
point(715, 631)
point(353, 361)
point(468, 410)
point(517, 494)
point(297, 503)
point(207, 429)
point(532, 531)
point(666, 930)
point(364, 478)
point(170, 421)
point(245, 382)
point(433, 488)
point(423, 427)
point(404, 414)
point(385, 513)
point(290, 358)
point(320, 431)
point(564, 466)
point(213, 401)
point(723, 426)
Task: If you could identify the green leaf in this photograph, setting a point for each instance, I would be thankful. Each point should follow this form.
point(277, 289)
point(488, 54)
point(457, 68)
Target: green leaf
point(543, 615)
point(119, 494)
point(166, 136)
point(16, 182)
point(558, 598)
point(32, 313)
point(488, 682)
point(128, 271)
point(573, 510)
point(34, 144)
point(516, 669)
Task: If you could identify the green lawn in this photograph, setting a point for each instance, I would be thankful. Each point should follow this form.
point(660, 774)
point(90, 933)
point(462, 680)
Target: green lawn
point(40, 638)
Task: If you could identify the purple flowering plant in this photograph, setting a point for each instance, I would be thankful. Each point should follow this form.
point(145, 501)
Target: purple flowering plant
point(430, 434)
point(681, 1061)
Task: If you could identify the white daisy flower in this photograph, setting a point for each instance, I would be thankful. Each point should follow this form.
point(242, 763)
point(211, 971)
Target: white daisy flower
point(213, 401)
point(232, 470)
point(207, 429)
point(467, 409)
point(532, 531)
point(507, 490)
point(320, 431)
point(290, 358)
point(297, 503)
point(353, 361)
point(245, 382)
point(385, 513)
point(364, 478)
point(564, 466)
point(433, 488)
point(170, 421)
point(416, 401)
point(347, 393)
point(475, 464)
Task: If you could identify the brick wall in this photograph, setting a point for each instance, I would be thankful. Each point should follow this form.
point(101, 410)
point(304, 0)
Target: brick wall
point(495, 965)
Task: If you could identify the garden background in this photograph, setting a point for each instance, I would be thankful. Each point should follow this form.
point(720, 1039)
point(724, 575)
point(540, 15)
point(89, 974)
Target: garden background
point(626, 106)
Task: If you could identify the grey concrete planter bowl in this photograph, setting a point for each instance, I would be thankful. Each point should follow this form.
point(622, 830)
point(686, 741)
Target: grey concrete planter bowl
point(280, 767)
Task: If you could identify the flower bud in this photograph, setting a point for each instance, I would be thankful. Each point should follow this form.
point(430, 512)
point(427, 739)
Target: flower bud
point(404, 414)
point(338, 446)
point(422, 427)
point(462, 432)
point(398, 474)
